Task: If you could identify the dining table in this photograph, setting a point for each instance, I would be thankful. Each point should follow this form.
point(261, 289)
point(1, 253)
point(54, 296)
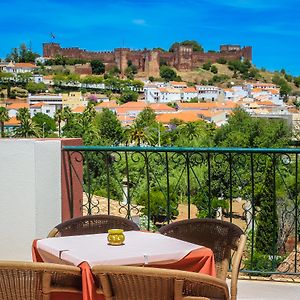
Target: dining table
point(145, 249)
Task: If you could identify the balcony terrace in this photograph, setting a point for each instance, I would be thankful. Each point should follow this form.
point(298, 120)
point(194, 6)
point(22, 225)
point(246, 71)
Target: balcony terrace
point(257, 189)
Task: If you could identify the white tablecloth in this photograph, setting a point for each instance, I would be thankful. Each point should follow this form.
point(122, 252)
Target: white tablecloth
point(139, 248)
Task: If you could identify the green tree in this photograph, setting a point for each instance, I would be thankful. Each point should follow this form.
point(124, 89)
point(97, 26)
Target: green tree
point(267, 220)
point(68, 115)
point(136, 135)
point(158, 205)
point(128, 95)
point(289, 78)
point(297, 81)
point(58, 118)
point(131, 70)
point(146, 118)
point(285, 88)
point(195, 45)
point(109, 127)
point(168, 73)
point(194, 134)
point(24, 77)
point(241, 68)
point(206, 66)
point(13, 55)
point(244, 131)
point(46, 124)
point(113, 72)
point(98, 67)
point(58, 79)
point(82, 125)
point(34, 88)
point(73, 78)
point(27, 128)
point(214, 69)
point(4, 117)
point(137, 85)
point(5, 77)
point(221, 60)
point(92, 79)
point(22, 54)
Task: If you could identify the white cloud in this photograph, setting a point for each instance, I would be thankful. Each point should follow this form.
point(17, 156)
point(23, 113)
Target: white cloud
point(139, 21)
point(249, 4)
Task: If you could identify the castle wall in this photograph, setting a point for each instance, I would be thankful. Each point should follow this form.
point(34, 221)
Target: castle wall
point(183, 57)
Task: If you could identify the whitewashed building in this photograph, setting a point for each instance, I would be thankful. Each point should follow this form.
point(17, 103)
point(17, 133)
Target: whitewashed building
point(209, 92)
point(42, 108)
point(169, 95)
point(189, 93)
point(54, 100)
point(152, 94)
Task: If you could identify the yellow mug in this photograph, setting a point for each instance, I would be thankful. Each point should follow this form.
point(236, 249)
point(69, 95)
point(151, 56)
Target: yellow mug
point(116, 237)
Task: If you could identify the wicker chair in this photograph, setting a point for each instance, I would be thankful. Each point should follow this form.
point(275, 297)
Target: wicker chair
point(36, 281)
point(225, 239)
point(138, 283)
point(91, 224)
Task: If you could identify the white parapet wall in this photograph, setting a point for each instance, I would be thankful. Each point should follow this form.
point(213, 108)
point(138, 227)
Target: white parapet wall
point(30, 193)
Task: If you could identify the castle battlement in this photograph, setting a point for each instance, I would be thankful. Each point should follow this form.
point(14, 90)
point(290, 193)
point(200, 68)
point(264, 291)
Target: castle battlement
point(183, 58)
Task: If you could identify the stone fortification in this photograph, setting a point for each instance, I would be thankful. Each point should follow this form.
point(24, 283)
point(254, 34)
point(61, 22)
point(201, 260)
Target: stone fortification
point(183, 58)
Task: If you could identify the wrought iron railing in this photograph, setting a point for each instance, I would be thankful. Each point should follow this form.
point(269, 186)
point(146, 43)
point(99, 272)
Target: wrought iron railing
point(257, 189)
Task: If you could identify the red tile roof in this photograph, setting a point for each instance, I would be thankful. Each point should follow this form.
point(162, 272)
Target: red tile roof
point(189, 90)
point(134, 105)
point(161, 107)
point(109, 104)
point(178, 83)
point(78, 109)
point(185, 116)
point(208, 105)
point(25, 65)
point(39, 104)
point(17, 105)
point(12, 122)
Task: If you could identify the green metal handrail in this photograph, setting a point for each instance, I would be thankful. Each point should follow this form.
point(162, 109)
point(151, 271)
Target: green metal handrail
point(227, 173)
point(181, 149)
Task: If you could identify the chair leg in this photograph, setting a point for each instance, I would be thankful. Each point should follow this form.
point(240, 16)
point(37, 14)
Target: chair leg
point(106, 287)
point(178, 287)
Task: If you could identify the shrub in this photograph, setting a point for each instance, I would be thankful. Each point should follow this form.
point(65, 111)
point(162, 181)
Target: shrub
point(263, 263)
point(221, 60)
point(206, 66)
point(158, 205)
point(214, 69)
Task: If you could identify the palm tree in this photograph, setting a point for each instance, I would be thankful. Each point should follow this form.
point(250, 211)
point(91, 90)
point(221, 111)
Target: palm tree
point(3, 118)
point(89, 113)
point(137, 135)
point(67, 114)
point(190, 130)
point(28, 128)
point(58, 117)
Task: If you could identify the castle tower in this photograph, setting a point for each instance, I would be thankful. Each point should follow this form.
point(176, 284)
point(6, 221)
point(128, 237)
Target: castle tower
point(247, 53)
point(152, 63)
point(121, 58)
point(244, 53)
point(183, 58)
point(51, 49)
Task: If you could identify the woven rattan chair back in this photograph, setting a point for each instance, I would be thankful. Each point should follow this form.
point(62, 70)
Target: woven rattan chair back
point(92, 224)
point(36, 281)
point(225, 239)
point(138, 283)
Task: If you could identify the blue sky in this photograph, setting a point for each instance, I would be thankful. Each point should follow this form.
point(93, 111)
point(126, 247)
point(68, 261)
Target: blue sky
point(270, 26)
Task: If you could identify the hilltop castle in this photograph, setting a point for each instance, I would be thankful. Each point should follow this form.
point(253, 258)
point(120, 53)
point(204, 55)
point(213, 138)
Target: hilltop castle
point(183, 58)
